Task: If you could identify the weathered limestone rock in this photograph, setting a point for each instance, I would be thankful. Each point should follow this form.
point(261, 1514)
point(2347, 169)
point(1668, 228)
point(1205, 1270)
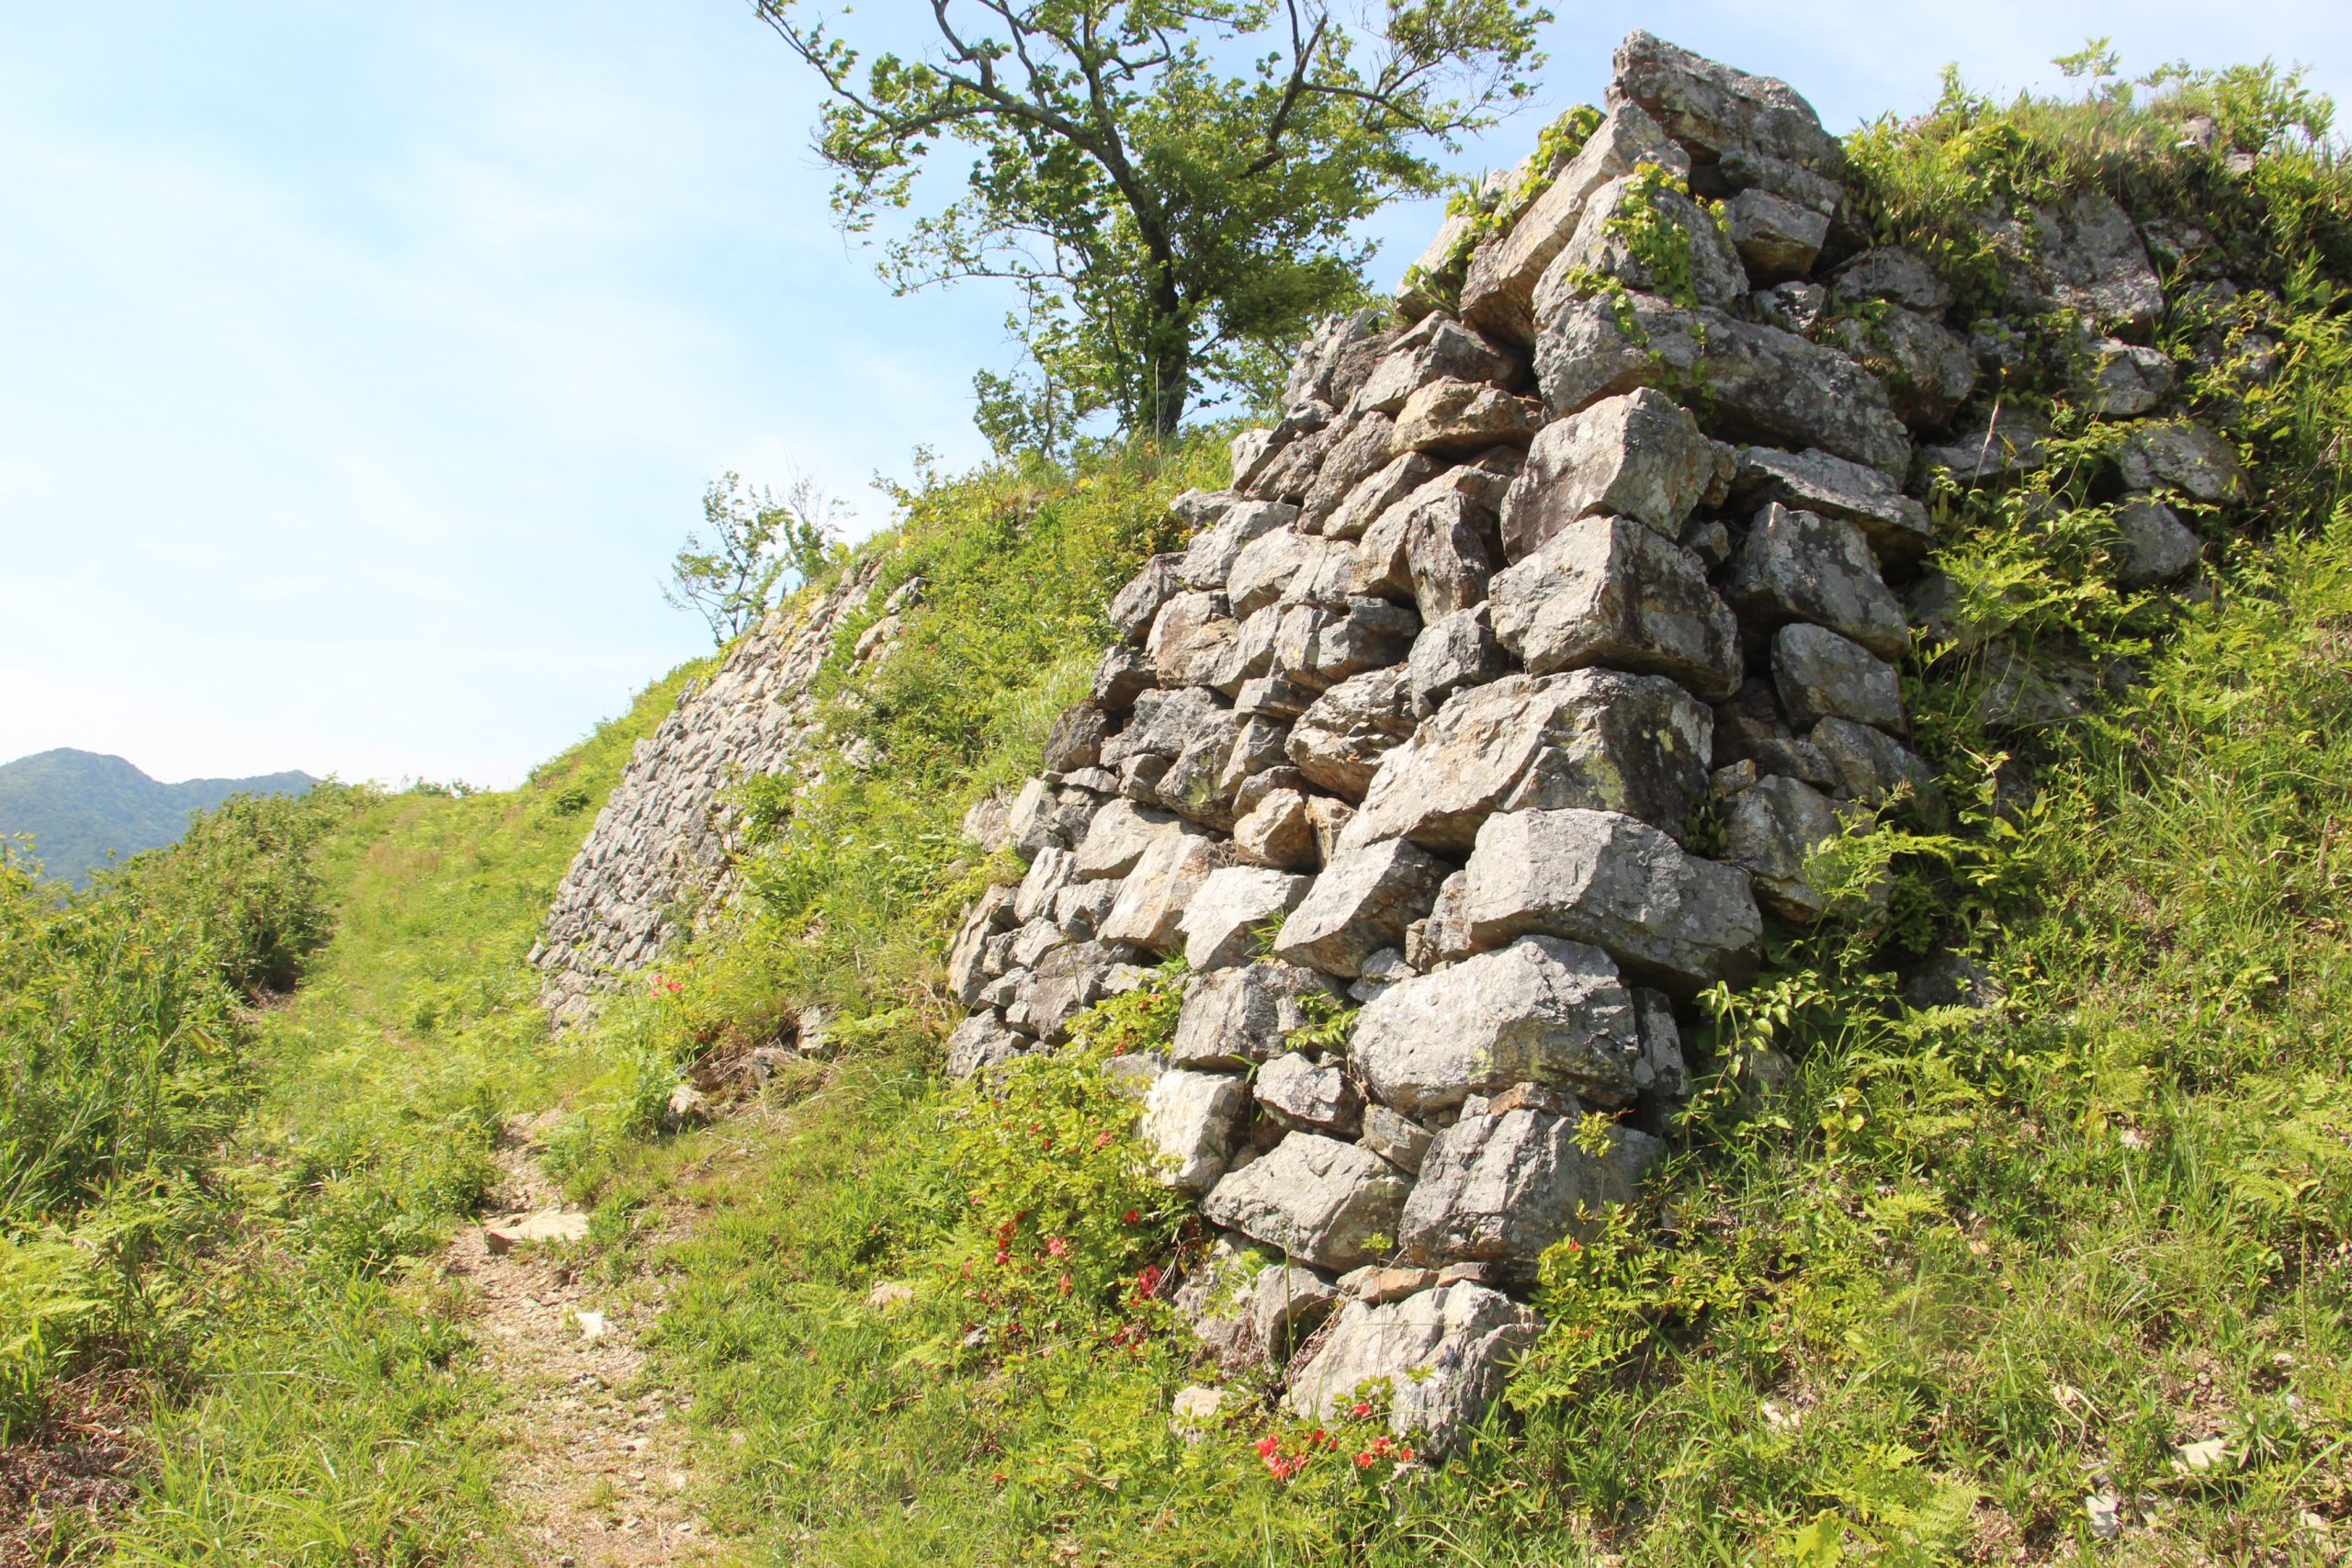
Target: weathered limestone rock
point(1452, 418)
point(1500, 1189)
point(1264, 568)
point(1377, 1286)
point(1196, 785)
point(1801, 566)
point(1873, 767)
point(1435, 349)
point(1186, 635)
point(1638, 455)
point(981, 1042)
point(1538, 1011)
point(1775, 237)
point(1591, 737)
point(1714, 109)
point(1300, 1091)
point(1153, 899)
point(1124, 675)
point(1895, 524)
point(1338, 742)
point(1361, 903)
point(1276, 832)
point(1165, 722)
point(1316, 1199)
point(2157, 545)
point(2115, 379)
point(1286, 1302)
point(1335, 360)
point(1076, 739)
point(1048, 874)
point(1443, 1354)
point(1317, 646)
point(1292, 455)
point(1068, 981)
point(1195, 1414)
point(1893, 274)
point(1447, 561)
point(1137, 604)
point(1372, 497)
point(1118, 837)
point(1822, 675)
point(1708, 270)
point(1360, 450)
point(1762, 384)
point(1498, 294)
point(1394, 1136)
point(1190, 1121)
point(2181, 455)
point(1208, 559)
point(2089, 258)
point(1214, 1301)
point(1043, 816)
point(1235, 1017)
point(1609, 590)
point(1221, 923)
point(990, 914)
point(1770, 830)
point(1928, 370)
point(1452, 653)
point(1670, 920)
point(2007, 446)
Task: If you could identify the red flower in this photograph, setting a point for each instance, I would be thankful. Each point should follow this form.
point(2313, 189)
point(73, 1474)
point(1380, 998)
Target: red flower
point(1058, 1247)
point(1404, 1456)
point(1361, 1411)
point(1149, 1281)
point(1130, 1217)
point(1003, 1257)
point(1066, 1284)
point(1266, 1446)
point(1364, 1460)
point(1104, 1142)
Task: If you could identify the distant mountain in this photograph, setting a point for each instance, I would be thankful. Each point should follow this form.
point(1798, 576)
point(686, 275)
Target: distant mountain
point(78, 806)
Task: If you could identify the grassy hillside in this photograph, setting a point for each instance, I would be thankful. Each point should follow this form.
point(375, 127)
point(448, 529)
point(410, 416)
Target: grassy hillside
point(1920, 1283)
point(82, 809)
point(251, 1250)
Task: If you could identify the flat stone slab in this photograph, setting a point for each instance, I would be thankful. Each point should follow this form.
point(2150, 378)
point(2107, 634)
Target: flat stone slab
point(1670, 918)
point(544, 1225)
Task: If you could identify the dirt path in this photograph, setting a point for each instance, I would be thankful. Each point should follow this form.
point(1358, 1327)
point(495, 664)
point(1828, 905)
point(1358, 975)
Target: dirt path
point(600, 1474)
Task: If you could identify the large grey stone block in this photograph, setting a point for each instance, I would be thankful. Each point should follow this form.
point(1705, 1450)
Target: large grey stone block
point(1538, 1011)
point(1501, 1189)
point(1639, 454)
point(1800, 566)
point(1315, 1199)
point(1360, 903)
point(1441, 1354)
point(1591, 737)
point(1670, 918)
point(1609, 590)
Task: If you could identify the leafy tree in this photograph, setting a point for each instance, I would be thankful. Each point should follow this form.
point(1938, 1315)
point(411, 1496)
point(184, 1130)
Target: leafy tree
point(757, 544)
point(1169, 184)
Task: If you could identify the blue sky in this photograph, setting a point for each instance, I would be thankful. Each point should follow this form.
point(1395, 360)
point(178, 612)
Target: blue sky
point(362, 365)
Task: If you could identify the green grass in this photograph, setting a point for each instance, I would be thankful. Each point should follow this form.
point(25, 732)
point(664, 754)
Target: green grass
point(1957, 1274)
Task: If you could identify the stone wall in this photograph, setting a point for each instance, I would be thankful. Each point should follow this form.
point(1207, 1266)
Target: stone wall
point(662, 844)
point(1593, 565)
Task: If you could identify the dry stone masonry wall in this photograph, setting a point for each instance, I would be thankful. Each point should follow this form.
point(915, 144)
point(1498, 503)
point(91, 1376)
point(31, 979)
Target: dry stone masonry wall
point(1517, 594)
point(664, 843)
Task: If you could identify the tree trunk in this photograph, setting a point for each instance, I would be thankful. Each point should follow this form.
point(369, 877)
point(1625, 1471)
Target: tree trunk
point(1170, 369)
point(1170, 364)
